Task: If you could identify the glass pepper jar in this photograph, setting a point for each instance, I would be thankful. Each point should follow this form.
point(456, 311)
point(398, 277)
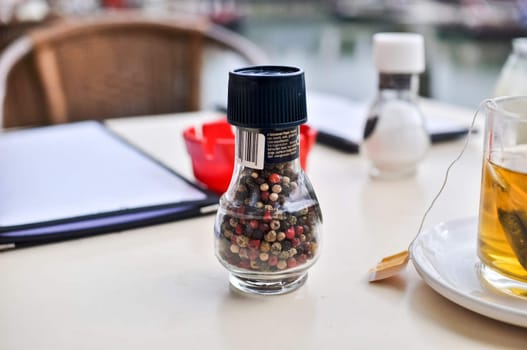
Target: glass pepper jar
point(268, 225)
point(395, 138)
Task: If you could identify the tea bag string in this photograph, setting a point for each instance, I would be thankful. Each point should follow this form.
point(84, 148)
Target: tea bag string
point(450, 166)
point(393, 264)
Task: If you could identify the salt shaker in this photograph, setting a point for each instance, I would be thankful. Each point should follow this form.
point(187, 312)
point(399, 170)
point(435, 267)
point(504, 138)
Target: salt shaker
point(395, 137)
point(268, 225)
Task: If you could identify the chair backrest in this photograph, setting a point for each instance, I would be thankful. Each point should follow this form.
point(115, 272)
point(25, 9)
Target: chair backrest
point(110, 66)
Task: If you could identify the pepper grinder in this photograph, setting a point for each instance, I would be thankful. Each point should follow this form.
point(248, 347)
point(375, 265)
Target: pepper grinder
point(395, 137)
point(268, 225)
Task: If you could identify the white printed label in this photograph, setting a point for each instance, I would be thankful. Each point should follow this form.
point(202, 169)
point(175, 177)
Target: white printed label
point(250, 148)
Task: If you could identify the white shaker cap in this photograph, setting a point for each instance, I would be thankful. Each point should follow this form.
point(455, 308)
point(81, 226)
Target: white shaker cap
point(399, 53)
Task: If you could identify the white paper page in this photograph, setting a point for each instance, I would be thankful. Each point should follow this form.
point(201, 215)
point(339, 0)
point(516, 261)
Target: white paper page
point(78, 169)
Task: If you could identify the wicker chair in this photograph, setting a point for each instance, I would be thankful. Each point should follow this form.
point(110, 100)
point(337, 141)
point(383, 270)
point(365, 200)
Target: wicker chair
point(110, 66)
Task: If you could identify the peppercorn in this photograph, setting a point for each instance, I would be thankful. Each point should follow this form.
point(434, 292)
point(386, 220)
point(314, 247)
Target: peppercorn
point(273, 196)
point(254, 224)
point(227, 233)
point(299, 230)
point(291, 262)
point(254, 244)
point(270, 236)
point(242, 241)
point(276, 248)
point(263, 227)
point(235, 249)
point(280, 236)
point(286, 245)
point(301, 259)
point(282, 264)
point(290, 233)
point(273, 260)
point(267, 216)
point(233, 259)
point(274, 178)
point(275, 225)
point(276, 189)
point(257, 235)
point(283, 255)
point(233, 222)
point(296, 242)
point(265, 247)
point(264, 256)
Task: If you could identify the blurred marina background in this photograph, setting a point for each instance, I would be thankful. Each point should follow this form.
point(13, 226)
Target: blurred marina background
point(467, 42)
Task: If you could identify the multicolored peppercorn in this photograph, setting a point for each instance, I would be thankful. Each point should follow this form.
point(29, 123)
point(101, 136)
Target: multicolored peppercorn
point(258, 230)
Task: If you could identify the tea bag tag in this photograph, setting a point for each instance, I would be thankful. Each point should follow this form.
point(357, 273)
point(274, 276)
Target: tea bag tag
point(393, 264)
point(389, 266)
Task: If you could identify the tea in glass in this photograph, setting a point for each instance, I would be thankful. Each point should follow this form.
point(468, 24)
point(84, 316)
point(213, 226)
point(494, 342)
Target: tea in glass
point(502, 243)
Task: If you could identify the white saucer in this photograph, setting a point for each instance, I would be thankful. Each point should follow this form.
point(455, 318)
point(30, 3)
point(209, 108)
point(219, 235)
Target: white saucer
point(445, 257)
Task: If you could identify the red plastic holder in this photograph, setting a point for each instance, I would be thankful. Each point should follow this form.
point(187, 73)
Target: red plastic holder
point(212, 152)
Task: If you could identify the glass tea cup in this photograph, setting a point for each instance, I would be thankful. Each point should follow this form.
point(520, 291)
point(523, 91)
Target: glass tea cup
point(502, 232)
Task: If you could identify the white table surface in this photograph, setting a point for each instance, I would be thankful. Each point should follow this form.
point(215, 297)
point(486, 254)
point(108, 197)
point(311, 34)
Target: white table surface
point(161, 287)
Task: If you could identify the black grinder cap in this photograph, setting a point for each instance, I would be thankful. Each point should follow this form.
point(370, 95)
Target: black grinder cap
point(267, 97)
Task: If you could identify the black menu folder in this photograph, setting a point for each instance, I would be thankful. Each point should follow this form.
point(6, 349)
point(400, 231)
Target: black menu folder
point(79, 179)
